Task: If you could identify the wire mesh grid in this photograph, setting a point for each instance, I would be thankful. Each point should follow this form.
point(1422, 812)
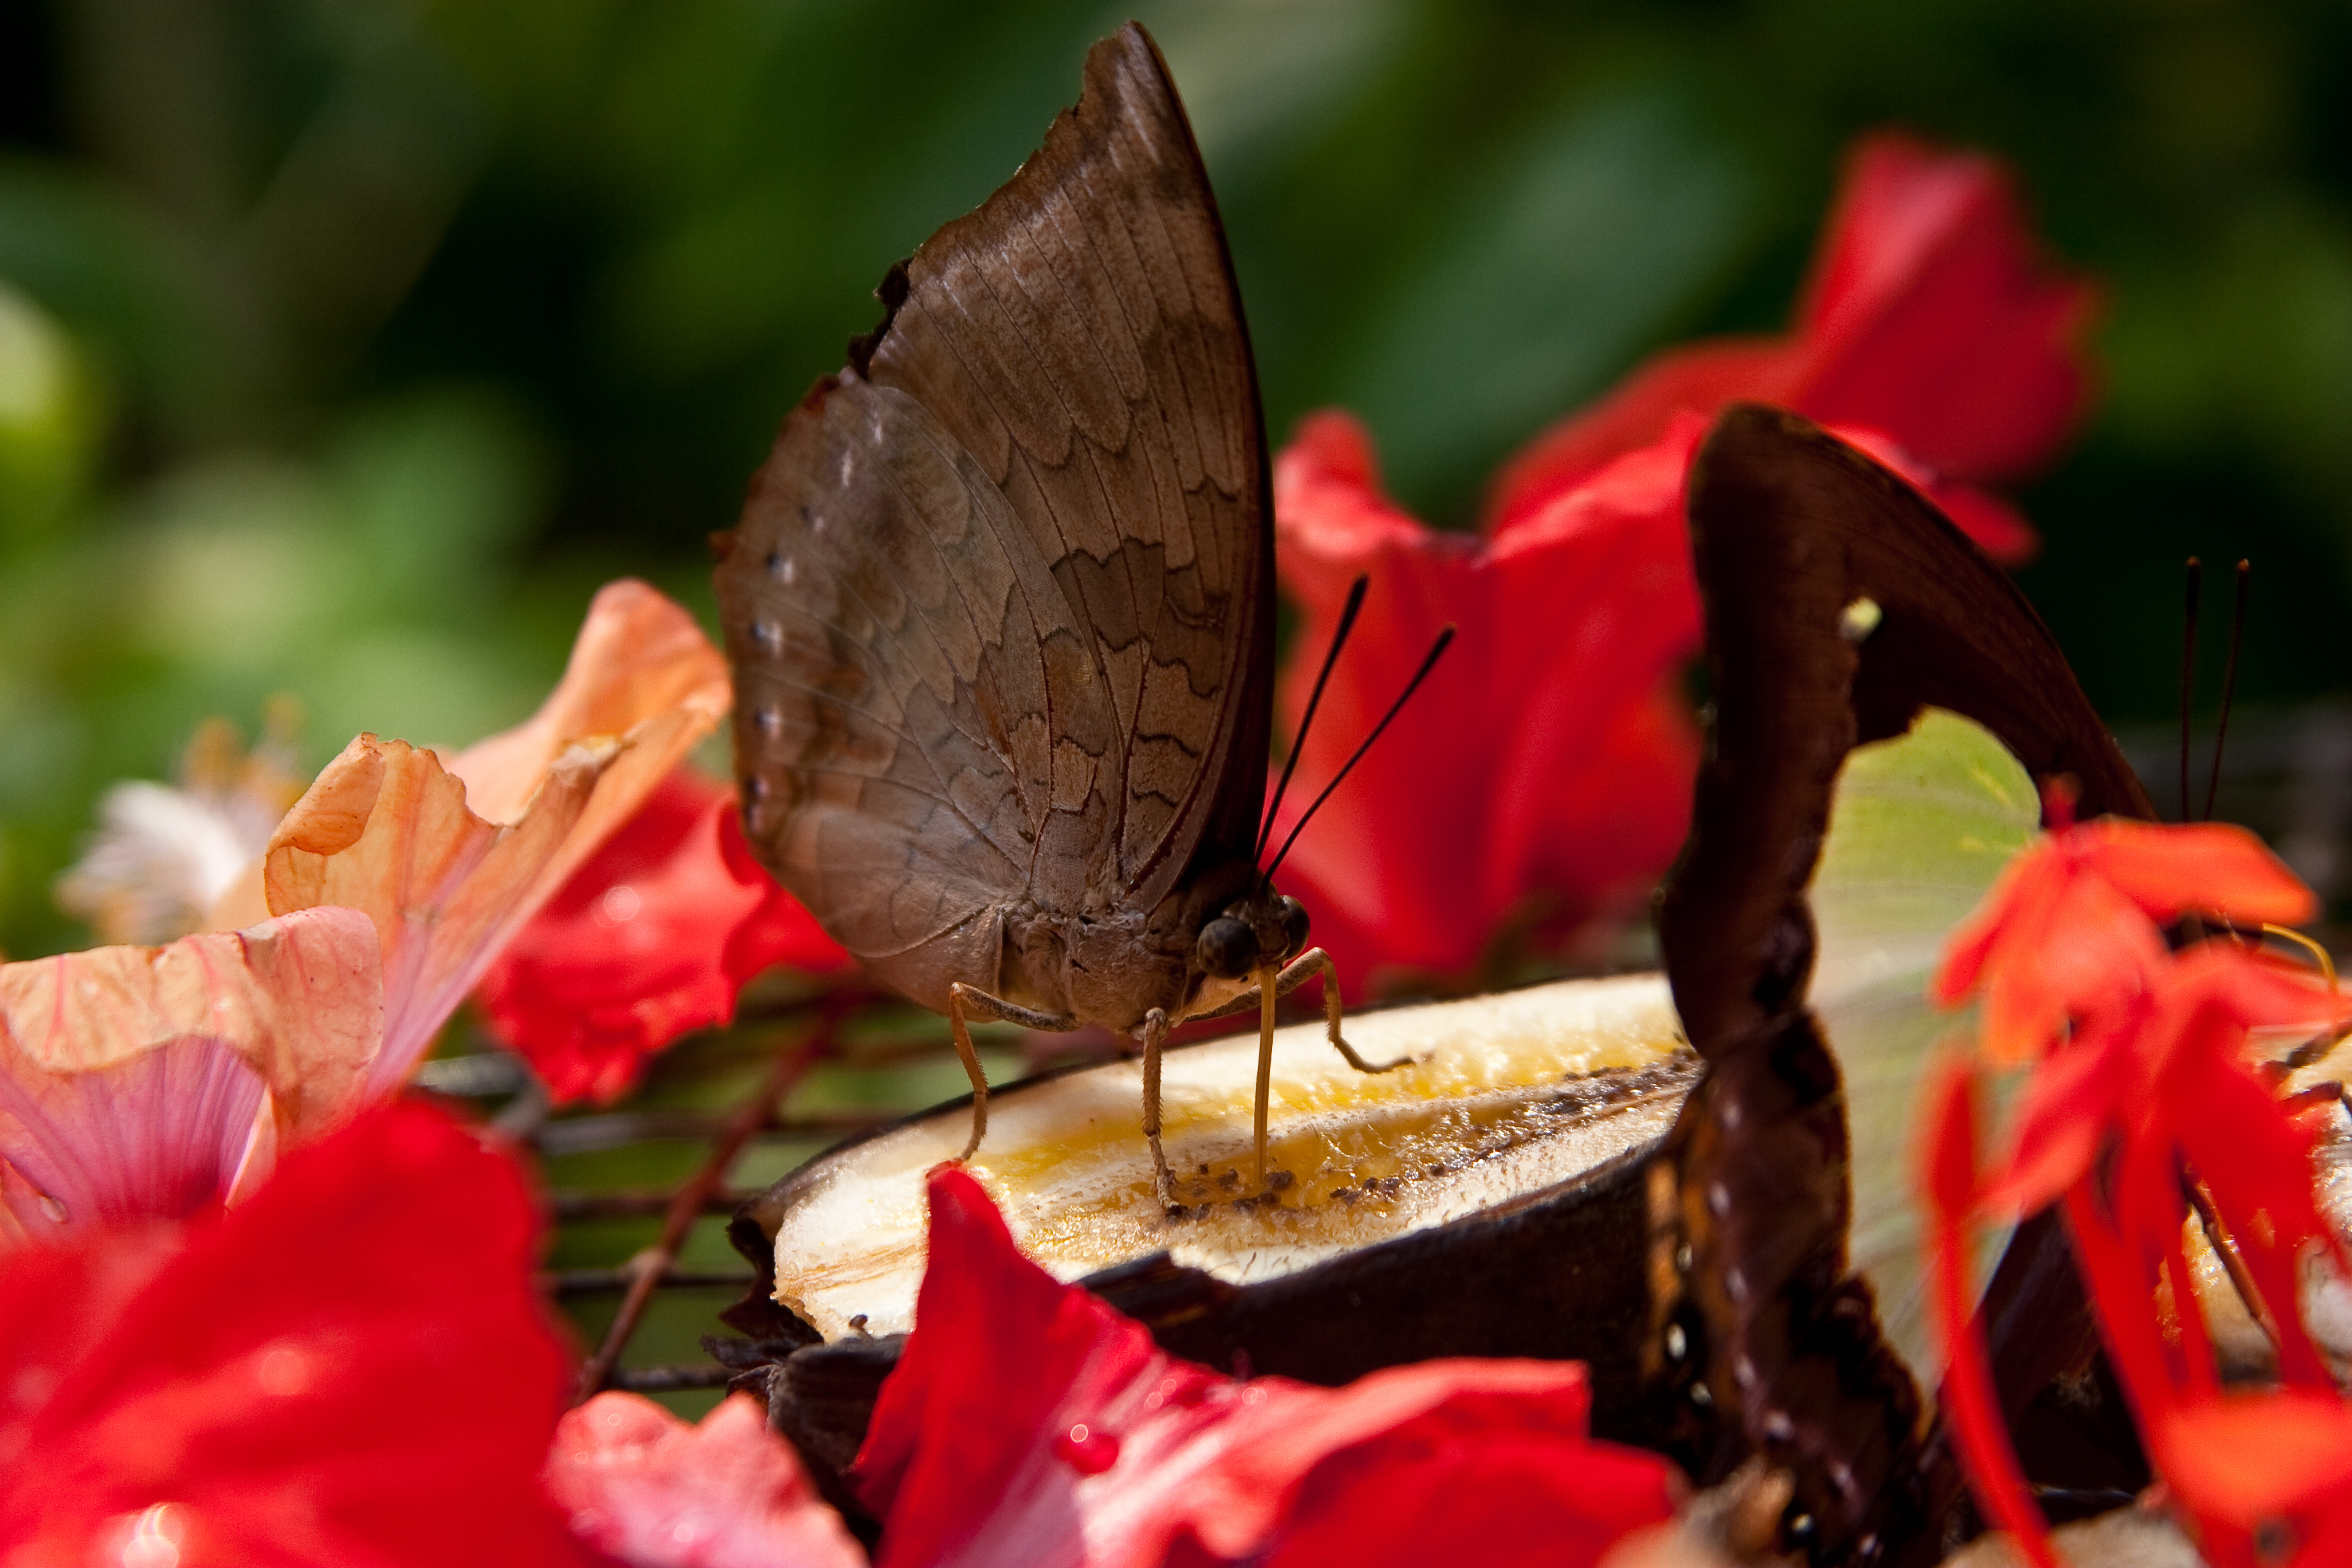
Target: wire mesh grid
point(638, 1195)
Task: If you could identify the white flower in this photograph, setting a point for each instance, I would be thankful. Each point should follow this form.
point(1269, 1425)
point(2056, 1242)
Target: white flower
point(165, 854)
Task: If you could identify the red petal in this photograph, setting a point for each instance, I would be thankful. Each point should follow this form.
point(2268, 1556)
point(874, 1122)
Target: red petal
point(2021, 885)
point(1439, 1491)
point(636, 1481)
point(1947, 1180)
point(2067, 1106)
point(1697, 380)
point(2171, 869)
point(352, 1367)
point(2257, 1162)
point(1546, 702)
point(2250, 1458)
point(652, 937)
point(1931, 316)
point(1029, 1423)
point(2050, 943)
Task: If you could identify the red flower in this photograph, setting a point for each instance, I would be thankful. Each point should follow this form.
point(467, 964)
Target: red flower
point(643, 1485)
point(351, 1367)
point(2245, 1461)
point(653, 936)
point(1543, 753)
point(2140, 1078)
point(2070, 930)
point(1929, 317)
point(1545, 772)
point(1028, 1422)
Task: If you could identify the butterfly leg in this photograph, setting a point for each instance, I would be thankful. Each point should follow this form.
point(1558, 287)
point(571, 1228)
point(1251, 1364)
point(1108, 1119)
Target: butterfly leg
point(961, 996)
point(1155, 1036)
point(1315, 961)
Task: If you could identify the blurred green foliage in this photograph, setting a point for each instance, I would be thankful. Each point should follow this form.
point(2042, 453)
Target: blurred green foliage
point(346, 344)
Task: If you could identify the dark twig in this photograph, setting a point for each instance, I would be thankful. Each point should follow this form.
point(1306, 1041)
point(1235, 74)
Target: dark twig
point(581, 1134)
point(670, 1379)
point(606, 1281)
point(652, 1266)
point(639, 1202)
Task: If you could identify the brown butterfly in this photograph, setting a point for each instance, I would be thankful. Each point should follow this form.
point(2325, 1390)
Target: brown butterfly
point(1840, 608)
point(1001, 611)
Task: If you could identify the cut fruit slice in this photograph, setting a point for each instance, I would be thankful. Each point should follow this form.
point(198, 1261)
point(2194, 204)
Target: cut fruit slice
point(1486, 1199)
point(1505, 1096)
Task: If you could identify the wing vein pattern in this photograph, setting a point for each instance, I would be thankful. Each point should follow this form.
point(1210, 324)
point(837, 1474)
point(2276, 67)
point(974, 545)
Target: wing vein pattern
point(1000, 607)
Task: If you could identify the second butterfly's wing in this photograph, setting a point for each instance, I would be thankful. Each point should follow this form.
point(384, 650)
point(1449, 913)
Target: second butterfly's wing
point(1886, 703)
point(1000, 609)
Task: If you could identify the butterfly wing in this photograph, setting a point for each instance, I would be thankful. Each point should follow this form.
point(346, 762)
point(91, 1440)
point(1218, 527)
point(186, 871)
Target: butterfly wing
point(1868, 660)
point(1000, 607)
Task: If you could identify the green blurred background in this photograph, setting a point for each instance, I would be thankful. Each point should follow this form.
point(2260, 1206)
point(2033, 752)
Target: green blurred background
point(346, 344)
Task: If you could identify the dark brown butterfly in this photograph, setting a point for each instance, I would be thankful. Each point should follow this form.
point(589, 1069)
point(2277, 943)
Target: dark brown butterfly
point(1868, 660)
point(1001, 611)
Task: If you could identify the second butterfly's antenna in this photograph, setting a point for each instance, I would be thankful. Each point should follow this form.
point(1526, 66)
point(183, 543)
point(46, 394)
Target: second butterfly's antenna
point(2188, 673)
point(2228, 685)
point(1314, 700)
point(1428, 663)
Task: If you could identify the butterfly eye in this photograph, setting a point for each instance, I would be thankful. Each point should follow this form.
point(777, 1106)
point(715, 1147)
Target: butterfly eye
point(1227, 948)
point(1293, 915)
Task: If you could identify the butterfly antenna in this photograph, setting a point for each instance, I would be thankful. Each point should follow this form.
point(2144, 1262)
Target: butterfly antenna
point(1314, 700)
point(1428, 663)
point(2188, 673)
point(2228, 685)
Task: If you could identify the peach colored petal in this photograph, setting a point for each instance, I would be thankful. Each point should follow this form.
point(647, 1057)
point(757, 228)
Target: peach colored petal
point(639, 658)
point(453, 858)
point(246, 903)
point(149, 1081)
point(300, 999)
point(386, 830)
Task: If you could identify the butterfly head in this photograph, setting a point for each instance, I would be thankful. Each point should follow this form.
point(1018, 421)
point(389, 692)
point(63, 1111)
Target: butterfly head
point(1263, 931)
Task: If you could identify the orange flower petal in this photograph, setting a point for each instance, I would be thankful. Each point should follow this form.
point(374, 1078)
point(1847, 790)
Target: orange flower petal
point(641, 669)
point(2169, 870)
point(451, 861)
point(2246, 1458)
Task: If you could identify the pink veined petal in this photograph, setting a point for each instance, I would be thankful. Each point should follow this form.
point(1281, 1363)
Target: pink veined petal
point(160, 1134)
point(150, 1082)
point(637, 1482)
